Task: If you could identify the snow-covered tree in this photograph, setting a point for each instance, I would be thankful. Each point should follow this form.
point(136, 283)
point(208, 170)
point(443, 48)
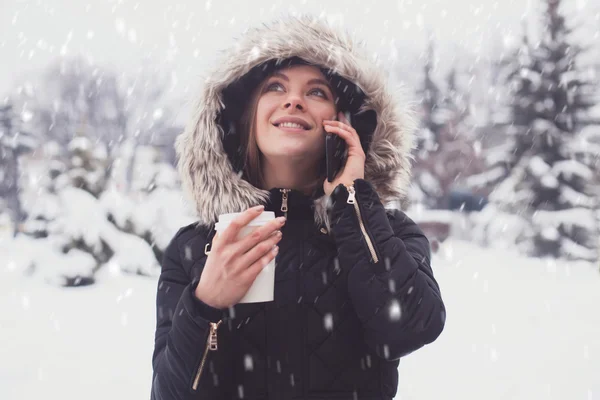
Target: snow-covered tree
point(13, 143)
point(426, 187)
point(94, 124)
point(155, 208)
point(151, 118)
point(512, 115)
point(40, 189)
point(543, 179)
point(119, 111)
point(87, 164)
point(73, 91)
point(69, 219)
point(446, 146)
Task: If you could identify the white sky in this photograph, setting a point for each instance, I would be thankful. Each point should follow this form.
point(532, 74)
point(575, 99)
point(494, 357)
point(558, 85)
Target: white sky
point(184, 36)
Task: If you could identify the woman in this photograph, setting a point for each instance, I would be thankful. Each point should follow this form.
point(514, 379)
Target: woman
point(354, 290)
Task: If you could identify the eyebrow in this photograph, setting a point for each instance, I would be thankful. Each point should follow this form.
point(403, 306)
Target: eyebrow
point(311, 82)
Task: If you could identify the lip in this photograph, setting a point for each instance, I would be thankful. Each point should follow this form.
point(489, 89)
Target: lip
point(295, 120)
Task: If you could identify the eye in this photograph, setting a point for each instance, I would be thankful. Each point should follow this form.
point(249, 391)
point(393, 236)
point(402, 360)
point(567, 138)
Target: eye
point(320, 91)
point(273, 85)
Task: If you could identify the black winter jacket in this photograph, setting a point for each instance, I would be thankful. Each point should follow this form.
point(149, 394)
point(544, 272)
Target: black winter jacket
point(348, 304)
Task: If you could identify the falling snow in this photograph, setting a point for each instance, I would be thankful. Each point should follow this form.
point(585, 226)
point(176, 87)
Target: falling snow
point(521, 327)
point(328, 322)
point(248, 363)
point(395, 311)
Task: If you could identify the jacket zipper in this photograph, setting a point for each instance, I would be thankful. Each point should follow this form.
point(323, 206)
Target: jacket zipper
point(284, 201)
point(211, 345)
point(352, 200)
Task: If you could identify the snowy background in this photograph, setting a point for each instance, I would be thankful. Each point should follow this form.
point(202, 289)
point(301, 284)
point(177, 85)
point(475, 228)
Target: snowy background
point(506, 184)
point(517, 329)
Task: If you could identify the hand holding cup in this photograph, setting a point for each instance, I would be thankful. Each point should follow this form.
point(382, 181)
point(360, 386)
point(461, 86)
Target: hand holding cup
point(238, 255)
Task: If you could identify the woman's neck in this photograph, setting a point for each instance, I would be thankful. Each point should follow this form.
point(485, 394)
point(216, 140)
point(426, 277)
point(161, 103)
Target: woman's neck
point(289, 176)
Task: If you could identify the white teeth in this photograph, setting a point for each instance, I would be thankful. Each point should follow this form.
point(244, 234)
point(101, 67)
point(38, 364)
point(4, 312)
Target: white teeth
point(290, 125)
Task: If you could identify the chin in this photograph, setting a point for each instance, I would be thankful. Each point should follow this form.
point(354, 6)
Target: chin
point(276, 145)
point(289, 148)
point(291, 152)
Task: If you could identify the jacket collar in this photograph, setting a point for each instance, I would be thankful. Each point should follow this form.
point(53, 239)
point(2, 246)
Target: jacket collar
point(297, 204)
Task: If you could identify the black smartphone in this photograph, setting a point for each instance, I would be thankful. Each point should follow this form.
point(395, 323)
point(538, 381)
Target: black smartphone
point(335, 153)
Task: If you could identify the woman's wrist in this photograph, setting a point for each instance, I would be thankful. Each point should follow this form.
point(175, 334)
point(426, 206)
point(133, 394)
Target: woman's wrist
point(200, 293)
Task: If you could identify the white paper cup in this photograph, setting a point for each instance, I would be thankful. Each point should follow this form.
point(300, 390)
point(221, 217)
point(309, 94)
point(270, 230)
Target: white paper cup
point(263, 288)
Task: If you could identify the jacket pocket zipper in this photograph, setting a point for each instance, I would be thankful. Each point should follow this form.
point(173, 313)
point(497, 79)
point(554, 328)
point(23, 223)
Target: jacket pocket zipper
point(352, 200)
point(211, 345)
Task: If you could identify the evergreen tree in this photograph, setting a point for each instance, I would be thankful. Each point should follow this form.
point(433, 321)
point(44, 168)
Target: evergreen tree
point(87, 215)
point(512, 114)
point(544, 181)
point(426, 186)
point(87, 164)
point(445, 150)
point(13, 143)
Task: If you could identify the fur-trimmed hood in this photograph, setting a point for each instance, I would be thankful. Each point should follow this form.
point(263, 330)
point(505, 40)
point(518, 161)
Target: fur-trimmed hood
point(211, 170)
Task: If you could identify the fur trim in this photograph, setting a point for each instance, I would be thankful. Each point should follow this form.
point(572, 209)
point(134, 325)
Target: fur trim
point(207, 174)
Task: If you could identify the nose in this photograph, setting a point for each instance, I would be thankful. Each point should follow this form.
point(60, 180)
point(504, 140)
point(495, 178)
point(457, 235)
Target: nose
point(294, 101)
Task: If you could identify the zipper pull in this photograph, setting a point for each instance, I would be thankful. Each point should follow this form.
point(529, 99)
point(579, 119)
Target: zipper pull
point(284, 200)
point(211, 345)
point(351, 194)
point(212, 339)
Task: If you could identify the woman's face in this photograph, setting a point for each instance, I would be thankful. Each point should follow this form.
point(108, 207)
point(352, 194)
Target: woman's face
point(291, 109)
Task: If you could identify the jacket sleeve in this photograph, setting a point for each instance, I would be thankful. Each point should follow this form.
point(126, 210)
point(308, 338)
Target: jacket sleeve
point(390, 280)
point(182, 326)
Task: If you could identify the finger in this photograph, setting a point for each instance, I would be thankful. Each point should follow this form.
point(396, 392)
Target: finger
point(353, 141)
point(231, 232)
point(338, 124)
point(335, 128)
point(258, 251)
point(258, 235)
point(252, 272)
point(344, 134)
point(342, 126)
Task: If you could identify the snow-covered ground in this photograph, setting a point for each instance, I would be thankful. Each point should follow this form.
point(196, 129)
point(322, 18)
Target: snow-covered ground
point(517, 328)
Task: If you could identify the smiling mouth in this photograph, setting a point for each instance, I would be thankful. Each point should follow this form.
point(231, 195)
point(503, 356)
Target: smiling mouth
point(291, 126)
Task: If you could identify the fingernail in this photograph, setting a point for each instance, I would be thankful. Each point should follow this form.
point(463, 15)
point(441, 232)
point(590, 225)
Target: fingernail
point(259, 208)
point(275, 249)
point(281, 220)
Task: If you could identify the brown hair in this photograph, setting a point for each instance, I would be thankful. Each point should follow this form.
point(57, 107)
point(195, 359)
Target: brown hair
point(252, 154)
